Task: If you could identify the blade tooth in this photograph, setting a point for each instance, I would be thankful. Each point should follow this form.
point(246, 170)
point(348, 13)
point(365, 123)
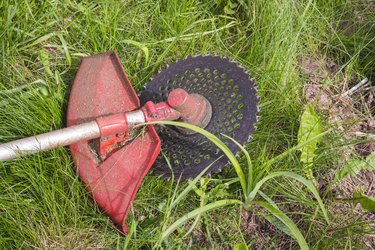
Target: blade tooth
point(219, 169)
point(259, 99)
point(256, 88)
point(249, 138)
point(232, 64)
point(223, 166)
point(238, 64)
point(257, 118)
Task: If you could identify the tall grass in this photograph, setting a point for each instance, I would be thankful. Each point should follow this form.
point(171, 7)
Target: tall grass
point(42, 202)
point(250, 186)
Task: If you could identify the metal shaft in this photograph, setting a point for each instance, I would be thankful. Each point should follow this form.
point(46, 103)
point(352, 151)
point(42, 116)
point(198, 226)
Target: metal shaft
point(109, 125)
point(61, 137)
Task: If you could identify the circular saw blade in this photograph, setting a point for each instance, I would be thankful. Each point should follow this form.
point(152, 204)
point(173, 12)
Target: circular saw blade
point(232, 95)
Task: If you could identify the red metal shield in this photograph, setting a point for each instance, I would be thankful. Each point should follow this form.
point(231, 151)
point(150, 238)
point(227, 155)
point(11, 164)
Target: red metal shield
point(101, 87)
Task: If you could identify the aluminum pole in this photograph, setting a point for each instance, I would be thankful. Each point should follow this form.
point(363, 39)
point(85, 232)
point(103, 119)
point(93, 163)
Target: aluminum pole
point(61, 137)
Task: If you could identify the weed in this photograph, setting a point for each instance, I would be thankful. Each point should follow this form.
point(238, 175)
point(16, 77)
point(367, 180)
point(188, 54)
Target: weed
point(44, 205)
point(250, 188)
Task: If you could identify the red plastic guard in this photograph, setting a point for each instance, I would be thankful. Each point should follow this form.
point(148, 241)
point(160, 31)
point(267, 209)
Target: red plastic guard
point(101, 87)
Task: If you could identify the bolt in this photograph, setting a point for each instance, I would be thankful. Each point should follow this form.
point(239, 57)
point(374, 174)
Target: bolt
point(181, 101)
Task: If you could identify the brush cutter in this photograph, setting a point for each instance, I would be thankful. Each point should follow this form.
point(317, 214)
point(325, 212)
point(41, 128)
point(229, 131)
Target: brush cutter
point(112, 154)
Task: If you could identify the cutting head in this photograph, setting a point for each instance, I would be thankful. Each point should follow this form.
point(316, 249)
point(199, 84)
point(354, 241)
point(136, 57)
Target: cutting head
point(102, 88)
point(233, 99)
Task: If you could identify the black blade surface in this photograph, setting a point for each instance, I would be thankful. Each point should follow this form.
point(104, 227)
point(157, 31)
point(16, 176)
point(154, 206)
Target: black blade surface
point(232, 95)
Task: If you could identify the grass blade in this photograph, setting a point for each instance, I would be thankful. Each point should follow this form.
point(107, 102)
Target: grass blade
point(190, 186)
point(217, 142)
point(196, 212)
point(297, 177)
point(141, 46)
point(285, 220)
point(38, 40)
point(249, 163)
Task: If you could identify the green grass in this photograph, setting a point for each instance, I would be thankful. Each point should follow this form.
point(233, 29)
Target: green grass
point(42, 202)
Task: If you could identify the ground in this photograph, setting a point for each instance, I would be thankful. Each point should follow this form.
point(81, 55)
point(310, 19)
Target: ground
point(302, 52)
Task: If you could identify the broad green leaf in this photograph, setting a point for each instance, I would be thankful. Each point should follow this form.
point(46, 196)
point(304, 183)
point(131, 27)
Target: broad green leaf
point(366, 202)
point(220, 191)
point(286, 221)
point(310, 126)
point(228, 10)
point(370, 160)
point(240, 246)
point(354, 166)
point(232, 5)
point(44, 59)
